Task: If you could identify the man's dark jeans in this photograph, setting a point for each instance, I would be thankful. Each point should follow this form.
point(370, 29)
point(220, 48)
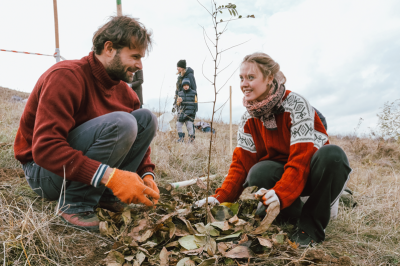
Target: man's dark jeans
point(329, 173)
point(118, 139)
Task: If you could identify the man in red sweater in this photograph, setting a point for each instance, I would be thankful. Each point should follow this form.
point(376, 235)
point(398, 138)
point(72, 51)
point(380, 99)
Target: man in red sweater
point(82, 137)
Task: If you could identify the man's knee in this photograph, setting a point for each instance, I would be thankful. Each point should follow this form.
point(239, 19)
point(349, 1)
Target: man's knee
point(265, 174)
point(146, 119)
point(126, 123)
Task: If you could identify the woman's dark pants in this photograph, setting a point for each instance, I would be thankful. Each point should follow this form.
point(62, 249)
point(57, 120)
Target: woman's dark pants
point(329, 173)
point(118, 139)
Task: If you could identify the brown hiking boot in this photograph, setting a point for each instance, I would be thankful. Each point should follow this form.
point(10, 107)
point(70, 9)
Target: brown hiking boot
point(114, 206)
point(84, 220)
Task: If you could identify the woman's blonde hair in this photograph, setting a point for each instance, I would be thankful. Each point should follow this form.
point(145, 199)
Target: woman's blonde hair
point(266, 65)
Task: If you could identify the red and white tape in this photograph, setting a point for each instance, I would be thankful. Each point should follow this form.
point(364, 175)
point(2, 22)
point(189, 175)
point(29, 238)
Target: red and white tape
point(19, 52)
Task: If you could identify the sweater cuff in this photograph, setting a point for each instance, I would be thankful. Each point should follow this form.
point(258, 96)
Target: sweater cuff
point(86, 172)
point(149, 173)
point(220, 197)
point(98, 176)
point(145, 170)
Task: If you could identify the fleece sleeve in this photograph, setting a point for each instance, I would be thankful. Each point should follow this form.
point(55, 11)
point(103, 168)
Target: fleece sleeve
point(59, 100)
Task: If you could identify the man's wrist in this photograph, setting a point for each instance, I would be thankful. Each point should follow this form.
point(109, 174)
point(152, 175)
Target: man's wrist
point(107, 175)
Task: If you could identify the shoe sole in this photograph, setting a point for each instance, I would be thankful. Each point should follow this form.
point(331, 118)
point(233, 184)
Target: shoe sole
point(88, 228)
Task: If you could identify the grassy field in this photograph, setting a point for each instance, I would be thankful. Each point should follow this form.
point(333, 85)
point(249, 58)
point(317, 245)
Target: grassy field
point(30, 233)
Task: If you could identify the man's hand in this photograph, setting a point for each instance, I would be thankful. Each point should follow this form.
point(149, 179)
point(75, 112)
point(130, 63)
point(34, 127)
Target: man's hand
point(129, 187)
point(266, 196)
point(149, 181)
point(211, 200)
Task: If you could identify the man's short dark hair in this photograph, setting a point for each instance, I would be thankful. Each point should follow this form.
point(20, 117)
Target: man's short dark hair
point(120, 30)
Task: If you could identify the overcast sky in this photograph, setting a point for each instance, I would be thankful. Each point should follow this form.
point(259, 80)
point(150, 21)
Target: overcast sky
point(342, 55)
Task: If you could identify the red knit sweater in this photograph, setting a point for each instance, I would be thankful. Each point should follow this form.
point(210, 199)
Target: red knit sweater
point(66, 96)
point(299, 135)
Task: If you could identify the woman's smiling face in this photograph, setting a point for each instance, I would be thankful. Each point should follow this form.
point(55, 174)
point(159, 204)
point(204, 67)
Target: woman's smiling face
point(252, 82)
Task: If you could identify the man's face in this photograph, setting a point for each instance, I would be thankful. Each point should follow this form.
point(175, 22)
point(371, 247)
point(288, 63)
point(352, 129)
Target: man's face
point(125, 63)
point(185, 87)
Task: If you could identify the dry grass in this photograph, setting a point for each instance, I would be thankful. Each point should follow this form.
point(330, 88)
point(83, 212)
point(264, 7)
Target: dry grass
point(30, 233)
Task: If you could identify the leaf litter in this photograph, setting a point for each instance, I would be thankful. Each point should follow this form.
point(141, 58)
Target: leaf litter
point(175, 233)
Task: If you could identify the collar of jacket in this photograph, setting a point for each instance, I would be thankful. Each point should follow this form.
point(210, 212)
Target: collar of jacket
point(101, 75)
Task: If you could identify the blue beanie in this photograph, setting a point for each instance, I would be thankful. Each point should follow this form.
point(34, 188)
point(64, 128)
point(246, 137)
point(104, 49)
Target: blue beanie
point(185, 81)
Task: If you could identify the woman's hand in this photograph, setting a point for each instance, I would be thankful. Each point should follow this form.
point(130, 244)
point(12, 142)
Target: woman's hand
point(266, 196)
point(211, 200)
point(179, 100)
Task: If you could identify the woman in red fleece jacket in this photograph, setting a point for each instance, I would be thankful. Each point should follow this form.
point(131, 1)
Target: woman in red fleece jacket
point(283, 147)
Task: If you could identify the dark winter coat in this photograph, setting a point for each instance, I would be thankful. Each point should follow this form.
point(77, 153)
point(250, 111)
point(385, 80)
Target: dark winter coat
point(137, 84)
point(188, 107)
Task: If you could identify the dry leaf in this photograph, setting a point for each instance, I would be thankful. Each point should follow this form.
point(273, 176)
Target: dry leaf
point(146, 235)
point(172, 244)
point(234, 220)
point(172, 229)
point(188, 225)
point(164, 257)
point(240, 252)
point(186, 262)
point(193, 251)
point(207, 262)
point(222, 248)
point(272, 211)
point(140, 257)
point(264, 242)
point(211, 246)
point(188, 242)
point(292, 244)
point(114, 258)
point(244, 239)
point(135, 232)
point(201, 184)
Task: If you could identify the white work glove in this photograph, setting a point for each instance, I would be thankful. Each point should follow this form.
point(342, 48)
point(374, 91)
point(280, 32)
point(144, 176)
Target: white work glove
point(211, 200)
point(266, 196)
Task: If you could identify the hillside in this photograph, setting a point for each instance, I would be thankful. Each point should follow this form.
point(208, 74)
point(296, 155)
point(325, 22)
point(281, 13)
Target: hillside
point(368, 234)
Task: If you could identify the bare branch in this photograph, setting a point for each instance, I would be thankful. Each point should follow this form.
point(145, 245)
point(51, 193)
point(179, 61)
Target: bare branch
point(220, 58)
point(229, 78)
point(202, 70)
point(204, 7)
point(221, 105)
point(204, 30)
point(225, 67)
point(234, 46)
point(207, 45)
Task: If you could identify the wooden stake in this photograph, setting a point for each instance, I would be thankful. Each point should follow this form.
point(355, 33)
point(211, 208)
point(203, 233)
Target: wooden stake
point(119, 8)
point(230, 118)
point(57, 53)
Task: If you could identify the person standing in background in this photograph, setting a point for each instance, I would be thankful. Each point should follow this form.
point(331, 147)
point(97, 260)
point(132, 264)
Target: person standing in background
point(187, 73)
point(137, 85)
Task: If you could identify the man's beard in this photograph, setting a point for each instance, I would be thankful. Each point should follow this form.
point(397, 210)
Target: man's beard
point(116, 70)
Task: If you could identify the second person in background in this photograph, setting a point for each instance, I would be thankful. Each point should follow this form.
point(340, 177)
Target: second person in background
point(187, 108)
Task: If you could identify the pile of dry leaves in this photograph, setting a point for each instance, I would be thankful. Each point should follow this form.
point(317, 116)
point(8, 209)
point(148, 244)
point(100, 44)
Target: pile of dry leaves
point(174, 233)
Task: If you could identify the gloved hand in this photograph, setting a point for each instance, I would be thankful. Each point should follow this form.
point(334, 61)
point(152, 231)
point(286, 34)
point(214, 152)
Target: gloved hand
point(149, 181)
point(130, 188)
point(266, 196)
point(211, 200)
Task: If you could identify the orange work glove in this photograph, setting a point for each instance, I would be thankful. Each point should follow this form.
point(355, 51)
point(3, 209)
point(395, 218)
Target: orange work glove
point(130, 188)
point(149, 181)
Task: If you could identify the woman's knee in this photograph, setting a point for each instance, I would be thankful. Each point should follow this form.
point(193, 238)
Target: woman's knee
point(331, 154)
point(265, 174)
